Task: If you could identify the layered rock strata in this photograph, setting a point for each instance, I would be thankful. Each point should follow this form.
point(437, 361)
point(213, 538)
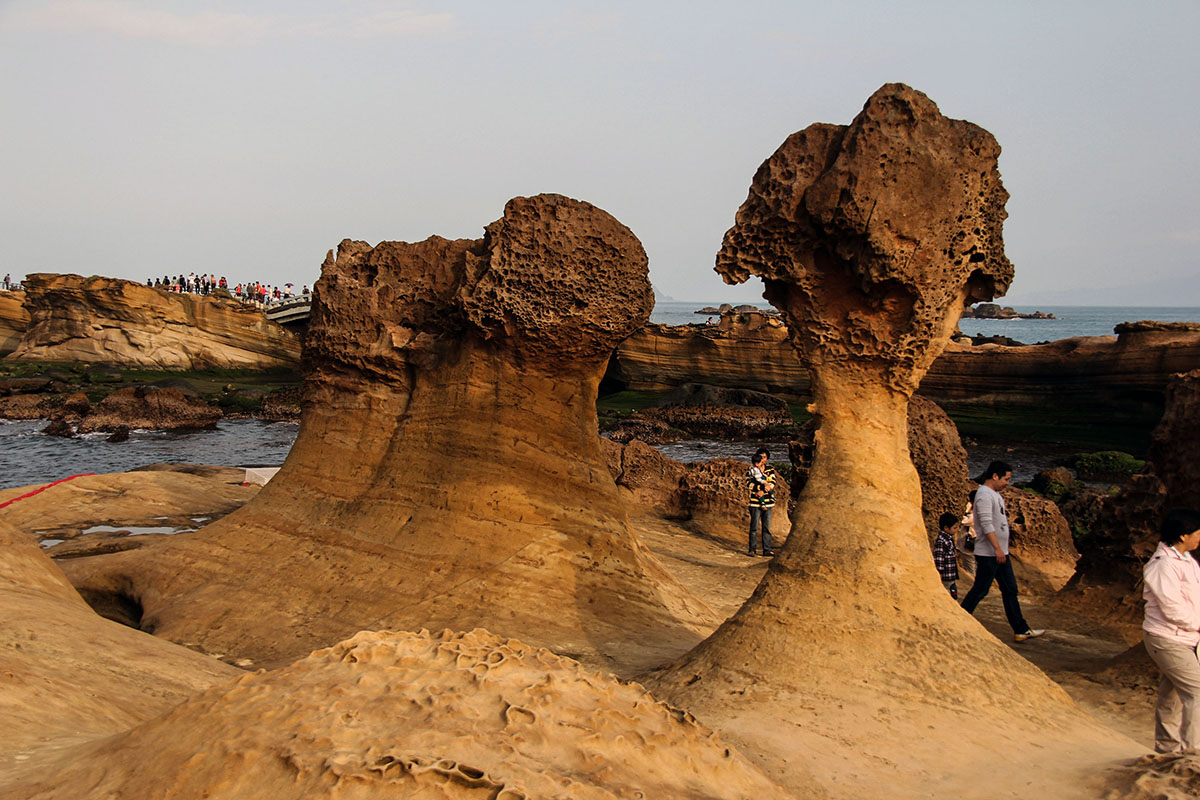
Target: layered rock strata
point(1125, 375)
point(870, 238)
point(105, 320)
point(14, 319)
point(447, 472)
point(413, 716)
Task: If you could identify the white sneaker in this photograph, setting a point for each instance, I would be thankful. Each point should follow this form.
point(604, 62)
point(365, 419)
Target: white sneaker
point(1029, 634)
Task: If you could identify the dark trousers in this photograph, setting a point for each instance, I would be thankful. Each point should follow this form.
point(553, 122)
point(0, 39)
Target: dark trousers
point(762, 515)
point(987, 569)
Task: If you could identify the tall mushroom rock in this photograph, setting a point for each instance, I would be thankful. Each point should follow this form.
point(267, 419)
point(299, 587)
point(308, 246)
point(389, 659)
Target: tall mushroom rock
point(869, 238)
point(447, 472)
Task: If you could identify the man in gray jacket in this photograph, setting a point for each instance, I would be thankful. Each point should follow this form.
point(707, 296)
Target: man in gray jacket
point(991, 550)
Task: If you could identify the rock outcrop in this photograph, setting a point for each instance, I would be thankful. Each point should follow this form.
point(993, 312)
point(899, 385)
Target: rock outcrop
point(14, 319)
point(69, 675)
point(748, 350)
point(707, 498)
point(413, 716)
point(1125, 375)
point(105, 320)
point(447, 473)
point(136, 407)
point(1107, 580)
point(705, 411)
point(1041, 542)
point(870, 238)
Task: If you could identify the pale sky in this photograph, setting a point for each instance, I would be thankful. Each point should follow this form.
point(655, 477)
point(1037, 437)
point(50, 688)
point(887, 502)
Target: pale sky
point(248, 138)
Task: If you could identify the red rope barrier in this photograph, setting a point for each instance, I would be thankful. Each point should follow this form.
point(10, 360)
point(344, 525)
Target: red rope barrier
point(41, 489)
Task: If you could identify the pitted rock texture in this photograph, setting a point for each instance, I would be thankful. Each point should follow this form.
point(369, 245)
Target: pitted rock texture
point(1172, 776)
point(447, 472)
point(869, 239)
point(901, 210)
point(70, 676)
point(105, 320)
point(415, 716)
point(652, 479)
point(1041, 542)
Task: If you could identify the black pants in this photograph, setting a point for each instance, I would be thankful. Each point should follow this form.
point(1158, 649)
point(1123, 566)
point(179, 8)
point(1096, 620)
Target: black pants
point(987, 569)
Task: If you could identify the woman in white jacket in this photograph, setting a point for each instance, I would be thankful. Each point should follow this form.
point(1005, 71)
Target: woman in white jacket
point(1172, 631)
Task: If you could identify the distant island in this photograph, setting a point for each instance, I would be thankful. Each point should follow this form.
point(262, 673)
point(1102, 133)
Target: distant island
point(995, 311)
point(726, 308)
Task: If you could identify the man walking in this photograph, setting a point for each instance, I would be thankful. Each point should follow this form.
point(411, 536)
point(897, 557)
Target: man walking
point(992, 561)
point(761, 480)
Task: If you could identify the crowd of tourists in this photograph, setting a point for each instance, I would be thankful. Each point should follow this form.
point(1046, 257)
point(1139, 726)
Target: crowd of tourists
point(249, 292)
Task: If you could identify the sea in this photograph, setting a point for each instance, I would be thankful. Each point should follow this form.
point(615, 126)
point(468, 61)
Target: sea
point(28, 457)
point(1068, 323)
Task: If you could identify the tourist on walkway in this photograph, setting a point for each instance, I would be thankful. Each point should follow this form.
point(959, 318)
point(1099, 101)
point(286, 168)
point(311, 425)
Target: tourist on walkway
point(1171, 588)
point(992, 562)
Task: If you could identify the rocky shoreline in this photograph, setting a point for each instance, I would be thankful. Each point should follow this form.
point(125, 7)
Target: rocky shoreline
point(594, 599)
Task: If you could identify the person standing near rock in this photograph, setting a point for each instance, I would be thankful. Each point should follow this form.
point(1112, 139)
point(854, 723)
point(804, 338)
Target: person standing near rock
point(992, 561)
point(1172, 630)
point(761, 480)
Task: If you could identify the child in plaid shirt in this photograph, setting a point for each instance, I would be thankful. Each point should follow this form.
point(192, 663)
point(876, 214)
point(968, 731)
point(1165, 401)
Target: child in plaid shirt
point(944, 556)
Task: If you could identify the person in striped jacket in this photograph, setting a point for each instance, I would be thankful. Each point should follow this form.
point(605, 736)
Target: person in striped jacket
point(760, 480)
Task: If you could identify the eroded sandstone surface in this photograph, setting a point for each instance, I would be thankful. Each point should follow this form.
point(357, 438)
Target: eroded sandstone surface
point(106, 320)
point(70, 676)
point(410, 715)
point(870, 238)
point(14, 319)
point(491, 350)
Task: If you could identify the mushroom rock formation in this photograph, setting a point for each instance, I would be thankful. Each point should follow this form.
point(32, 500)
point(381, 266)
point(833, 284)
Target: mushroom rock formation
point(870, 238)
point(447, 472)
point(88, 320)
point(71, 676)
point(414, 716)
